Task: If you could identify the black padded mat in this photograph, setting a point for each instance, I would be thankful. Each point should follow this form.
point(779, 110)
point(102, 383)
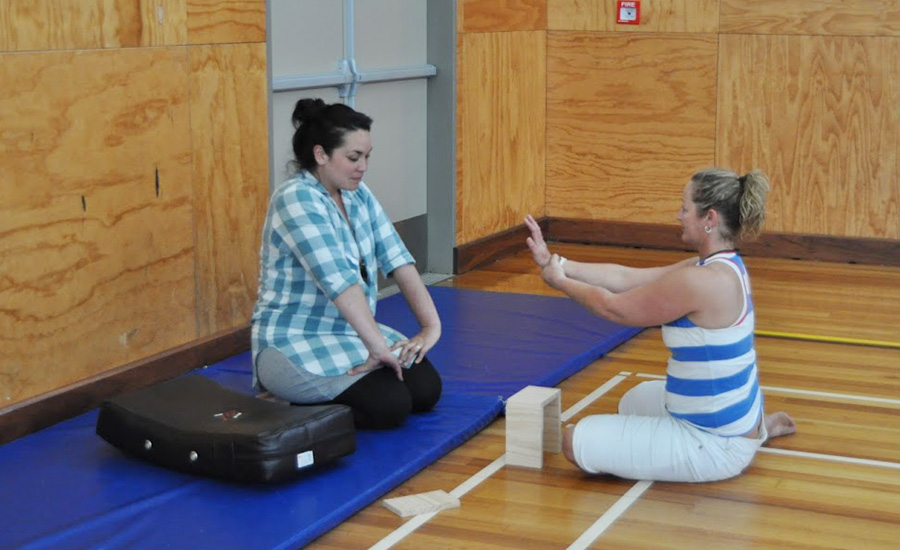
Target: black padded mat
point(193, 424)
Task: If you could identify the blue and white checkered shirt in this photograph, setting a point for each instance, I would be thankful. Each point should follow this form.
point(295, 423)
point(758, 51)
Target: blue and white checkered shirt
point(309, 256)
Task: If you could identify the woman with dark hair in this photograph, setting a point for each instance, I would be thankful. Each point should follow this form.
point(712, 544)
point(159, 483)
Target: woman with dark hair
point(314, 335)
point(705, 421)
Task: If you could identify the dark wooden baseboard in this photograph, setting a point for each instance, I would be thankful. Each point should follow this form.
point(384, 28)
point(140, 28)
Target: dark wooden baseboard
point(668, 237)
point(640, 235)
point(45, 410)
point(492, 248)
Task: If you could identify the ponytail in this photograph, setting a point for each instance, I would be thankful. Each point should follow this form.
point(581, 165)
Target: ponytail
point(754, 187)
point(739, 200)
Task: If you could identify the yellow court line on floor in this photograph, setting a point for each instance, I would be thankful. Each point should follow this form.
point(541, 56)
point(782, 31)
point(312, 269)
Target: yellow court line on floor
point(829, 339)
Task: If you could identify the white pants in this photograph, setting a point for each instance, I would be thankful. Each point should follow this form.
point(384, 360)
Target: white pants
point(645, 442)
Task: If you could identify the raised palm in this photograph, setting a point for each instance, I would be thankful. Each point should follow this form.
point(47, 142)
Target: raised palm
point(536, 243)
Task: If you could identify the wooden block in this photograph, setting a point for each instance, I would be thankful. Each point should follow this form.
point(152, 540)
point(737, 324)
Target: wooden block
point(422, 503)
point(533, 426)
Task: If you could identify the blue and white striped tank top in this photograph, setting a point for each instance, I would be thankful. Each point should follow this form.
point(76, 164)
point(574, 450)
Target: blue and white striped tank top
point(711, 379)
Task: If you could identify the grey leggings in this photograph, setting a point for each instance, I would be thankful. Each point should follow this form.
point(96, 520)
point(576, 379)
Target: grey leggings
point(282, 378)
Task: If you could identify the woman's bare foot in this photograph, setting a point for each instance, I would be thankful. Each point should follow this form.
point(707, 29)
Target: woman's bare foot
point(779, 424)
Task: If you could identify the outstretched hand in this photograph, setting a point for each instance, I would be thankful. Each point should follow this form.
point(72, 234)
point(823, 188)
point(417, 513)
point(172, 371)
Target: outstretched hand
point(536, 243)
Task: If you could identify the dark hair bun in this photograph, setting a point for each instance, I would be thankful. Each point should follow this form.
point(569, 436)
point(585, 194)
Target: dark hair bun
point(307, 109)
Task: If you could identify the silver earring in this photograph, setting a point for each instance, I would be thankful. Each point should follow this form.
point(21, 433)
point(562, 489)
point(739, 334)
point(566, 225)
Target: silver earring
point(707, 228)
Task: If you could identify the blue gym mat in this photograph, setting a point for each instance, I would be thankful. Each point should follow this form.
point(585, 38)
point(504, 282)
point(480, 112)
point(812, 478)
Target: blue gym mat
point(64, 487)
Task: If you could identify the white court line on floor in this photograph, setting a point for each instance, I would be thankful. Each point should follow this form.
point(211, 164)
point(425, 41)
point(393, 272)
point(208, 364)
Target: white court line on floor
point(847, 396)
point(813, 393)
point(411, 525)
point(610, 516)
point(831, 458)
point(401, 532)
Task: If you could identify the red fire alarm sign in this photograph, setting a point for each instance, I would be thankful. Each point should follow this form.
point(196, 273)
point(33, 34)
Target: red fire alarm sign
point(628, 13)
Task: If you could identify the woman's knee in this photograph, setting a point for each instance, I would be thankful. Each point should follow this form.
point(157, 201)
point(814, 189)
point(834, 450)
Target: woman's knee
point(645, 399)
point(389, 412)
point(378, 401)
point(424, 385)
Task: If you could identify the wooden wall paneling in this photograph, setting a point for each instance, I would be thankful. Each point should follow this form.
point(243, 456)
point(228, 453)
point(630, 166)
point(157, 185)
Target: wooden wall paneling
point(27, 25)
point(629, 119)
point(217, 22)
point(691, 16)
point(165, 22)
point(501, 15)
point(96, 240)
point(501, 131)
point(821, 115)
point(231, 179)
point(53, 25)
point(811, 17)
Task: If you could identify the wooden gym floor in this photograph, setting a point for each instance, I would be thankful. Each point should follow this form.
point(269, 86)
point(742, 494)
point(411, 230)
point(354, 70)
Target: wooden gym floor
point(828, 339)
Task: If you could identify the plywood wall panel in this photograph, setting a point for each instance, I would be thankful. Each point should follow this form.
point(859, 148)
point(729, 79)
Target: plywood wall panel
point(231, 178)
point(218, 22)
point(96, 239)
point(165, 22)
point(625, 132)
point(822, 116)
point(811, 17)
point(502, 15)
point(501, 117)
point(692, 16)
point(28, 25)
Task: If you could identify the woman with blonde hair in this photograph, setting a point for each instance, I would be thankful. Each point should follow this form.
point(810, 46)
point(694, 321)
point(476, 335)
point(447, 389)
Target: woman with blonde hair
point(705, 421)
